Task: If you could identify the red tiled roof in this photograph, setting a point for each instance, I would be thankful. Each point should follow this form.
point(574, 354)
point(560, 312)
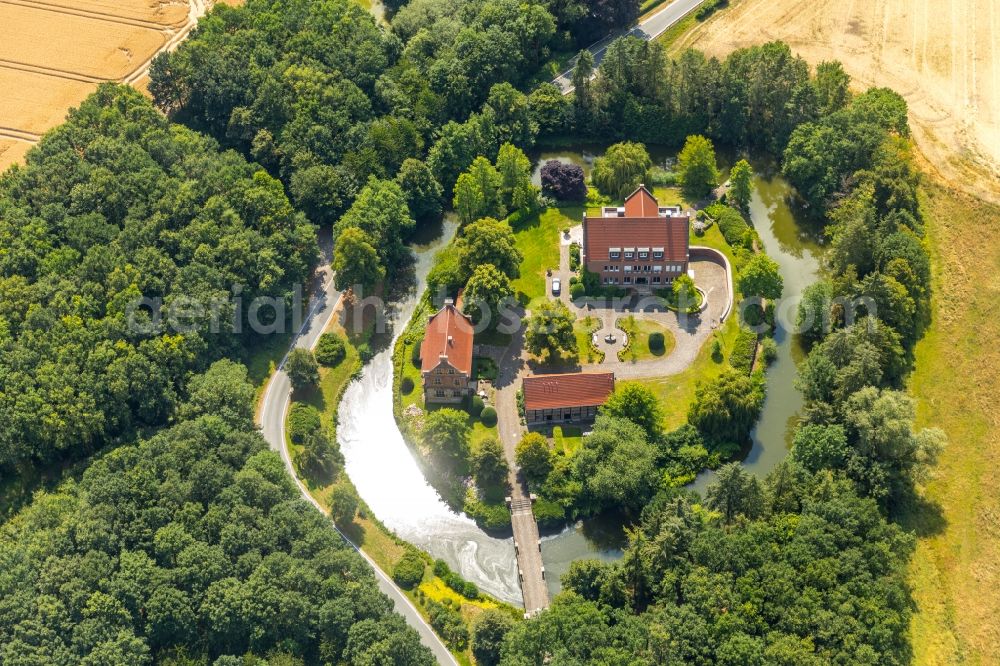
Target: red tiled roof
point(579, 389)
point(447, 338)
point(641, 226)
point(641, 204)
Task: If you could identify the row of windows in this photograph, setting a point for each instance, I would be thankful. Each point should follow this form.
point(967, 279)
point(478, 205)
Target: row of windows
point(639, 280)
point(437, 382)
point(628, 268)
point(631, 255)
point(440, 394)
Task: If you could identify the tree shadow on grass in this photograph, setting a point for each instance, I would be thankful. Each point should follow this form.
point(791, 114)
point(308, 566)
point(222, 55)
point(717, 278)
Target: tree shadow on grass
point(922, 516)
point(312, 396)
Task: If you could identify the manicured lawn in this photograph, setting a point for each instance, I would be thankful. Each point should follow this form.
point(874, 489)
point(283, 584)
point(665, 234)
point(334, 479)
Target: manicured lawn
point(567, 439)
point(481, 432)
point(411, 371)
point(639, 330)
point(676, 393)
point(584, 330)
point(713, 238)
point(537, 237)
point(669, 196)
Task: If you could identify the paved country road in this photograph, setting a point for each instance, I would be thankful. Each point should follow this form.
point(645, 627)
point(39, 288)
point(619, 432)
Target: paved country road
point(649, 29)
point(272, 421)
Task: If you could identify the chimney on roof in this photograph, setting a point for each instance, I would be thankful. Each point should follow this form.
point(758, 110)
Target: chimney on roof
point(449, 301)
point(450, 340)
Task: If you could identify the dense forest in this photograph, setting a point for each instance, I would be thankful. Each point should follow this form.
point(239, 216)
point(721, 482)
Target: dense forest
point(114, 205)
point(188, 544)
point(191, 547)
point(806, 567)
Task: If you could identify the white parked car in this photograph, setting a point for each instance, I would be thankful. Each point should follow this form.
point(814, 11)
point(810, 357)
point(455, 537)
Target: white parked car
point(556, 286)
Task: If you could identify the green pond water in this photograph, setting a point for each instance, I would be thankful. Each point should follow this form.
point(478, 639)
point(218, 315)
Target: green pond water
point(797, 252)
point(391, 483)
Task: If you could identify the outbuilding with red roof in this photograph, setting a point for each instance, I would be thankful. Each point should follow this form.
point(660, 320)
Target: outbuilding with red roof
point(565, 397)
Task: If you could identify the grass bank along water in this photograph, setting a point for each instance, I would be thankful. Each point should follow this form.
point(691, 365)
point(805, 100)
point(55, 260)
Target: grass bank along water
point(796, 250)
point(604, 538)
point(389, 479)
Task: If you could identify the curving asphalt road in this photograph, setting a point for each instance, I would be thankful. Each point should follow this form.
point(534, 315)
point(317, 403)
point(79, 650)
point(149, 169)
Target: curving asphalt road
point(649, 29)
point(273, 409)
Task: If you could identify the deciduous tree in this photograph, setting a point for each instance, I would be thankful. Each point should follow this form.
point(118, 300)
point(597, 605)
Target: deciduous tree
point(760, 277)
point(356, 262)
point(488, 632)
point(622, 169)
point(534, 457)
point(726, 408)
point(638, 404)
point(741, 185)
point(302, 369)
point(422, 191)
point(550, 329)
point(488, 241)
point(697, 172)
point(446, 433)
point(486, 292)
point(489, 464)
point(564, 181)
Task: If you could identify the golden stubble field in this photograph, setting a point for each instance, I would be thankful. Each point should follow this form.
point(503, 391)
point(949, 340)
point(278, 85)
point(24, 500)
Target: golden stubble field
point(54, 53)
point(944, 57)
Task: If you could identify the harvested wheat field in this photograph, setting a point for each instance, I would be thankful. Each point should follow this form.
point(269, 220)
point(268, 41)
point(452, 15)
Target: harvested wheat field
point(166, 14)
point(942, 55)
point(55, 52)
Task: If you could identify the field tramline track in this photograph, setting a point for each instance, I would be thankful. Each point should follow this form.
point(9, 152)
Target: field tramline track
point(173, 34)
point(95, 15)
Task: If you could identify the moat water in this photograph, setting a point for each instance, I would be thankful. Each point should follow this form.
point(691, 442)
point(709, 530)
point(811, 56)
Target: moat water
point(389, 480)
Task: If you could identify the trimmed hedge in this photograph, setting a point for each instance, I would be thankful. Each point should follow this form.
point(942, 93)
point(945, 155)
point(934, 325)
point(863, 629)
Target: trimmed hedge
point(330, 350)
point(415, 352)
point(732, 225)
point(303, 420)
point(574, 256)
point(409, 571)
point(741, 357)
point(476, 406)
point(488, 417)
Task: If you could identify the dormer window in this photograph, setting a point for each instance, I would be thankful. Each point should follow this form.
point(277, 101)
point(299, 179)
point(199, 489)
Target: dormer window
point(657, 253)
point(629, 252)
point(615, 252)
